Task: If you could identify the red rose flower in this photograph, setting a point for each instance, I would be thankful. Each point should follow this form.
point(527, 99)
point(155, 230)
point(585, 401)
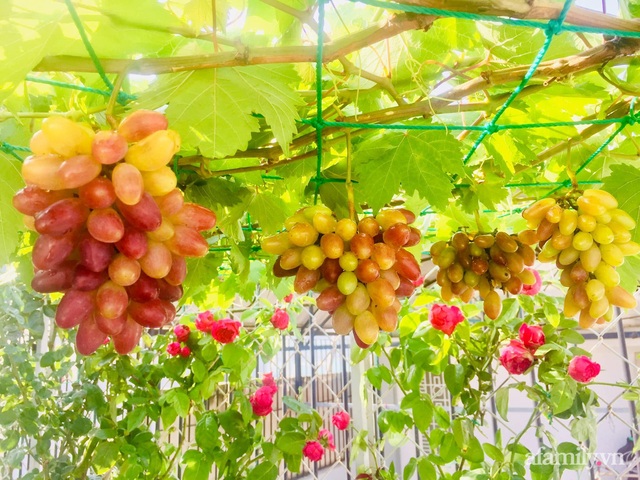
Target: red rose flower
point(516, 358)
point(174, 349)
point(326, 438)
point(445, 318)
point(531, 336)
point(185, 352)
point(280, 319)
point(204, 321)
point(341, 420)
point(313, 451)
point(182, 332)
point(225, 330)
point(262, 401)
point(535, 288)
point(583, 369)
point(288, 298)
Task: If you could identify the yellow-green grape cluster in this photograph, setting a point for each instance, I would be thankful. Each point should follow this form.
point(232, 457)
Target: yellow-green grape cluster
point(483, 262)
point(359, 268)
point(587, 236)
point(113, 228)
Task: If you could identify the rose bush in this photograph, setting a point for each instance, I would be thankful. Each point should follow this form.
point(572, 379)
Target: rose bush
point(178, 383)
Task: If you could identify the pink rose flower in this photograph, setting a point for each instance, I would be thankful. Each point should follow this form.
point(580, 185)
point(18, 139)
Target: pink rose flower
point(204, 321)
point(313, 451)
point(182, 332)
point(445, 318)
point(262, 401)
point(174, 349)
point(418, 282)
point(341, 420)
point(326, 438)
point(280, 319)
point(516, 358)
point(225, 330)
point(531, 336)
point(582, 369)
point(269, 382)
point(535, 288)
point(185, 352)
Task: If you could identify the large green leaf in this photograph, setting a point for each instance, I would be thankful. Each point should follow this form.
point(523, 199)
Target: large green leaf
point(269, 210)
point(212, 109)
point(414, 161)
point(197, 465)
point(10, 218)
point(623, 184)
point(28, 31)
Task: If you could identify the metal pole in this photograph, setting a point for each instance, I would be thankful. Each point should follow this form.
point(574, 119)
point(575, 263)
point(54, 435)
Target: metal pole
point(345, 400)
point(363, 412)
point(627, 375)
point(313, 373)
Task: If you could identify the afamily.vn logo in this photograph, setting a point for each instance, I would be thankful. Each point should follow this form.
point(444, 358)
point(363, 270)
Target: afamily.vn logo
point(578, 460)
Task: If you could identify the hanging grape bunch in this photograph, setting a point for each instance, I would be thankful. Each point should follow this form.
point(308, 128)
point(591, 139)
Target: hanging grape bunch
point(483, 263)
point(359, 268)
point(113, 228)
point(587, 236)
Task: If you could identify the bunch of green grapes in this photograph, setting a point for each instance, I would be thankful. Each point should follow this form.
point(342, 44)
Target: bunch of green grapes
point(360, 269)
point(483, 262)
point(587, 236)
point(113, 228)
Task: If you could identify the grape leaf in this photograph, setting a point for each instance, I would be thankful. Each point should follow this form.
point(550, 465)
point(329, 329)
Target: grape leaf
point(269, 210)
point(201, 273)
point(623, 184)
point(415, 161)
point(227, 198)
point(212, 110)
point(504, 151)
point(629, 273)
point(10, 218)
point(27, 32)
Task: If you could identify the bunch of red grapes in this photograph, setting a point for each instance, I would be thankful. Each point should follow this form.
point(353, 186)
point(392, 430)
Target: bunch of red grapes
point(360, 269)
point(113, 228)
point(483, 263)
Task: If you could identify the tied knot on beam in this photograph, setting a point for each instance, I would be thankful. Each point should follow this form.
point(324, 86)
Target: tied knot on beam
point(318, 124)
point(554, 27)
point(632, 118)
point(491, 128)
point(124, 98)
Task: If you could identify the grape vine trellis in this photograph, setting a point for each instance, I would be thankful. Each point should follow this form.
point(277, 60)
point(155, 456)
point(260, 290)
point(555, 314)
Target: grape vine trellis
point(622, 41)
point(323, 126)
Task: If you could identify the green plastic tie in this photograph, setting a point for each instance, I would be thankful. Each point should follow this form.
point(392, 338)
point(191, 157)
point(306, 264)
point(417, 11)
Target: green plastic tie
point(123, 97)
point(477, 128)
point(552, 28)
point(319, 121)
point(12, 149)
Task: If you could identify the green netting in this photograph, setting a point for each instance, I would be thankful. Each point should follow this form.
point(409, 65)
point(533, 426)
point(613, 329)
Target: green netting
point(551, 28)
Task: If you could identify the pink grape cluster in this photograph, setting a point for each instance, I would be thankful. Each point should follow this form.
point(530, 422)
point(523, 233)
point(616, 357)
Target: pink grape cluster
point(114, 229)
